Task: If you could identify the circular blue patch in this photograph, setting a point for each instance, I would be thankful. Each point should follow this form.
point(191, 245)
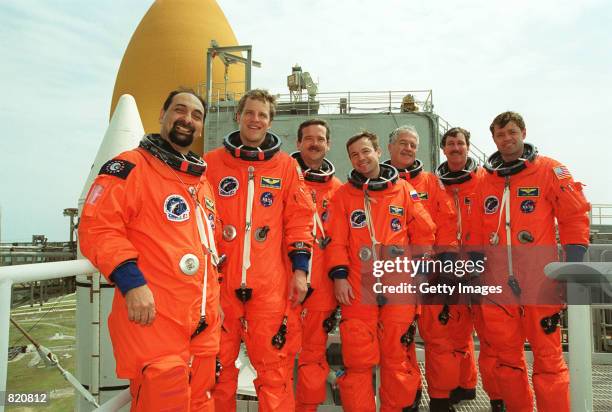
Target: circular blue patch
point(396, 225)
point(491, 204)
point(358, 219)
point(528, 206)
point(266, 199)
point(228, 186)
point(176, 208)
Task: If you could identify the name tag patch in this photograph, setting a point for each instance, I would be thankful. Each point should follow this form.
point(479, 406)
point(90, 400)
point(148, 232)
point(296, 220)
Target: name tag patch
point(270, 182)
point(528, 192)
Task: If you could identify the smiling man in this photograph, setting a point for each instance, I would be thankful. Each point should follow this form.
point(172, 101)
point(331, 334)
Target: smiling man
point(140, 228)
point(374, 210)
point(265, 209)
point(524, 201)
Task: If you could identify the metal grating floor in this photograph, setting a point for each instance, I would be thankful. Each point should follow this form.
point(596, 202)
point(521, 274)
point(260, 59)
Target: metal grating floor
point(602, 392)
point(602, 395)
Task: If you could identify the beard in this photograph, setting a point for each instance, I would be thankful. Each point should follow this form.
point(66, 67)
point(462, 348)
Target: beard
point(179, 139)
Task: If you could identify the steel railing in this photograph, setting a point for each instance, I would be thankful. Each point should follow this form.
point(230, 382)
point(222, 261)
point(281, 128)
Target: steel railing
point(601, 214)
point(36, 272)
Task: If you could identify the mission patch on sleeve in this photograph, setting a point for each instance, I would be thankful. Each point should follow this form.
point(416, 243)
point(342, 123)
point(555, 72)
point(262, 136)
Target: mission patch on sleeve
point(117, 167)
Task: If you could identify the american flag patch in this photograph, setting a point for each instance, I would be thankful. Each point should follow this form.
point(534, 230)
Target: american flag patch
point(561, 172)
point(415, 196)
point(95, 193)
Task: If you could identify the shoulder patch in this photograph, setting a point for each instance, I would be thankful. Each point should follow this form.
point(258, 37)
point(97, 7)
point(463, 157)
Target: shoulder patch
point(117, 167)
point(561, 172)
point(271, 182)
point(415, 196)
point(95, 193)
point(528, 192)
point(396, 210)
point(423, 195)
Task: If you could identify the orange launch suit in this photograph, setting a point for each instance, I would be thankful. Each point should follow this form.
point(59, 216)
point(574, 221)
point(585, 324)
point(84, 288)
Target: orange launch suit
point(538, 194)
point(128, 216)
point(283, 209)
point(449, 349)
point(312, 364)
point(372, 334)
point(463, 193)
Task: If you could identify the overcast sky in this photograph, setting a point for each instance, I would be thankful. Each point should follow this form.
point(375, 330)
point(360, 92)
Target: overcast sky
point(550, 60)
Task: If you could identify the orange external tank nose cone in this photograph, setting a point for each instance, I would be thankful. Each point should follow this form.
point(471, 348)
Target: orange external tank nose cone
point(168, 50)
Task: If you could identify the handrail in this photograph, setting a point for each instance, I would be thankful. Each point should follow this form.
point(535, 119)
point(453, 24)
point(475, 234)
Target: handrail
point(600, 216)
point(377, 100)
point(29, 273)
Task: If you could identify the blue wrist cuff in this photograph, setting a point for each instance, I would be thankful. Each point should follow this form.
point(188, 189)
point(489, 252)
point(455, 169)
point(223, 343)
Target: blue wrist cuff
point(127, 276)
point(338, 272)
point(575, 253)
point(299, 261)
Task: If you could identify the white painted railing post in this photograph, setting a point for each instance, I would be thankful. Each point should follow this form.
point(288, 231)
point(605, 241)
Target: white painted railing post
point(5, 313)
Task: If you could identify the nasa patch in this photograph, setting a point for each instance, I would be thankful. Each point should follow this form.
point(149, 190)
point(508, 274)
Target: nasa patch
point(176, 208)
point(358, 219)
point(491, 204)
point(211, 218)
point(528, 206)
point(228, 186)
point(396, 224)
point(117, 167)
point(266, 199)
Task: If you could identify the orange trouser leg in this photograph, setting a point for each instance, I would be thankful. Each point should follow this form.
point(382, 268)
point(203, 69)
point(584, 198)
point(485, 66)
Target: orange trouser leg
point(441, 362)
point(487, 358)
point(360, 353)
point(312, 364)
point(461, 333)
point(224, 393)
point(274, 366)
point(399, 380)
point(503, 329)
point(163, 386)
point(550, 373)
point(202, 383)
